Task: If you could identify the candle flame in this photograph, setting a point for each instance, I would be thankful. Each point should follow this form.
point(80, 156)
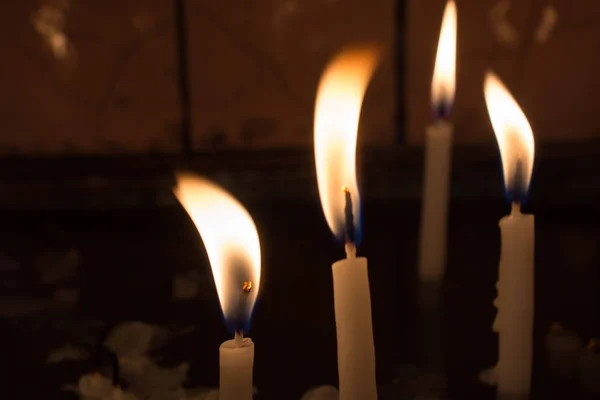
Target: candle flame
point(231, 240)
point(514, 136)
point(443, 84)
point(337, 112)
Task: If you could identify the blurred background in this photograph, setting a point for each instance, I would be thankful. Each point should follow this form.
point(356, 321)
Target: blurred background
point(102, 101)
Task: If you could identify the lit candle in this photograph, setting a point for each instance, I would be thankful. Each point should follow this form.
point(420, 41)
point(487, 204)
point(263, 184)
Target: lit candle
point(233, 249)
point(515, 301)
point(337, 112)
point(438, 154)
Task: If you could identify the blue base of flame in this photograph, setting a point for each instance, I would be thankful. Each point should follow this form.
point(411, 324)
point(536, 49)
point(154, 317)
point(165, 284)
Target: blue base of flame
point(341, 234)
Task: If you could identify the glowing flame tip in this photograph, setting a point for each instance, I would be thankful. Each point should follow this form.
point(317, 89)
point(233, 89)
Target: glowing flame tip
point(514, 136)
point(337, 112)
point(232, 244)
point(443, 84)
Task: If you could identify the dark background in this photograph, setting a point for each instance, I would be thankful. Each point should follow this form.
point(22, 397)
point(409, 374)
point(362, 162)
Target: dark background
point(132, 236)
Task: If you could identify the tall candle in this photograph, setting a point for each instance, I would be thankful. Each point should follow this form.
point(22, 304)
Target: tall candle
point(515, 301)
point(438, 155)
point(337, 111)
point(233, 247)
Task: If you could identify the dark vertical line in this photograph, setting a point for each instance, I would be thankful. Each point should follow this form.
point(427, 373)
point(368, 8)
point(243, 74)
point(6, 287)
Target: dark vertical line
point(184, 78)
point(399, 60)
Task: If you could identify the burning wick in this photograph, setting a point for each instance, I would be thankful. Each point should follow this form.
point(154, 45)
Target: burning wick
point(350, 245)
point(239, 333)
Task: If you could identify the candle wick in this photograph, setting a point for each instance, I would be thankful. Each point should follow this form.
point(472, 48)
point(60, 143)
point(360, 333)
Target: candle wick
point(238, 338)
point(516, 209)
point(349, 216)
point(350, 250)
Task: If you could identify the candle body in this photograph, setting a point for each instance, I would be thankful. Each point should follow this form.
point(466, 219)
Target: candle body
point(434, 211)
point(236, 362)
point(515, 304)
point(356, 351)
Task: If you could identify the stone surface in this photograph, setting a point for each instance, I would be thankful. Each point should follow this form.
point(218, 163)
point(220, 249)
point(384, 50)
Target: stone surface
point(88, 77)
point(256, 65)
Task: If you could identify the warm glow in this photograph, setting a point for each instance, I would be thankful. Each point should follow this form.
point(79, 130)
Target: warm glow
point(513, 132)
point(337, 111)
point(231, 242)
point(444, 75)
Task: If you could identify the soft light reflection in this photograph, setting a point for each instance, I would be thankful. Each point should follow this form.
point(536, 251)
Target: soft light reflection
point(337, 111)
point(513, 133)
point(50, 22)
point(231, 242)
point(443, 84)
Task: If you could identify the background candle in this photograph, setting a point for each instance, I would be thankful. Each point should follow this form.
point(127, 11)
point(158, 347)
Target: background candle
point(515, 301)
point(438, 155)
point(337, 112)
point(231, 240)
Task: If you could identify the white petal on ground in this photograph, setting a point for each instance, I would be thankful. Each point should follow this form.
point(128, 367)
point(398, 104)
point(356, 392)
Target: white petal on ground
point(66, 353)
point(133, 339)
point(322, 393)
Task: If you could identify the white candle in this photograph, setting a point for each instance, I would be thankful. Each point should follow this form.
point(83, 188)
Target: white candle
point(438, 155)
point(337, 111)
point(434, 209)
point(231, 240)
point(236, 359)
point(356, 351)
point(514, 321)
point(515, 301)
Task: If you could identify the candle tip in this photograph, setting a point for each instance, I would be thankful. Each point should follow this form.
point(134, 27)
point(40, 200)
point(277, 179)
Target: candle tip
point(516, 209)
point(247, 286)
point(350, 250)
point(238, 338)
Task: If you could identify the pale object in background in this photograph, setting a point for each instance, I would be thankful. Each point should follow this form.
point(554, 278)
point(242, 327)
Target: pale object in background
point(322, 393)
point(438, 154)
point(133, 339)
point(96, 387)
point(67, 352)
point(185, 286)
point(77, 79)
point(589, 369)
point(563, 349)
point(436, 201)
point(548, 22)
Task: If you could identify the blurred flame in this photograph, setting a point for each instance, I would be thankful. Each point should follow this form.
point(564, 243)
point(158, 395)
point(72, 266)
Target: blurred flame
point(337, 111)
point(231, 242)
point(50, 22)
point(513, 133)
point(443, 84)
